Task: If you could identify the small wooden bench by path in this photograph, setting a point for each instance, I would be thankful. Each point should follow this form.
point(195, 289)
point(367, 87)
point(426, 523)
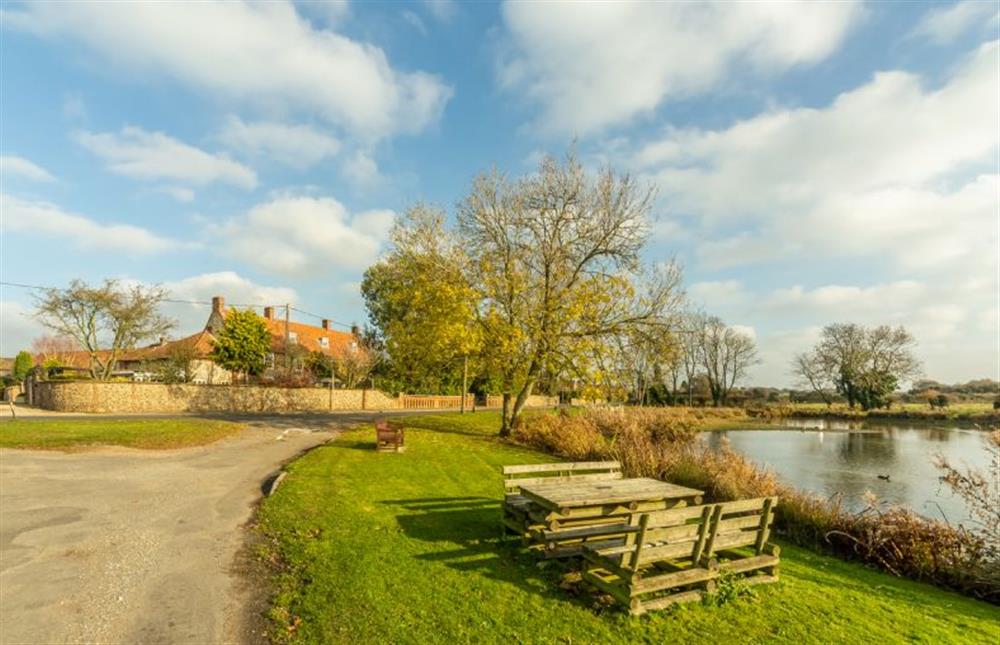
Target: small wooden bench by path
point(677, 555)
point(388, 437)
point(517, 508)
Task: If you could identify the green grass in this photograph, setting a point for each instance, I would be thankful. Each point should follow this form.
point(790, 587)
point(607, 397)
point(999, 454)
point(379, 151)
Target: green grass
point(76, 434)
point(405, 548)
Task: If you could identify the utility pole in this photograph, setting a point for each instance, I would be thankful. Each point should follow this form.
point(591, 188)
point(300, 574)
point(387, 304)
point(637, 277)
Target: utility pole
point(465, 381)
point(329, 361)
point(288, 348)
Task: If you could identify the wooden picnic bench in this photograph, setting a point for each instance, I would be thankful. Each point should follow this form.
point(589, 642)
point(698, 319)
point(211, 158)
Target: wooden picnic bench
point(673, 556)
point(517, 507)
point(558, 516)
point(388, 436)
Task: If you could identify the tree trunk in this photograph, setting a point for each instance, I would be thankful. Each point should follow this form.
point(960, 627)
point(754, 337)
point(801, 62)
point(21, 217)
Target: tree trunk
point(505, 422)
point(522, 398)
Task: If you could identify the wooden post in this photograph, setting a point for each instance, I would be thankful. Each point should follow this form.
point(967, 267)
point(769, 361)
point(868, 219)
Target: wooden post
point(465, 381)
point(288, 355)
point(330, 362)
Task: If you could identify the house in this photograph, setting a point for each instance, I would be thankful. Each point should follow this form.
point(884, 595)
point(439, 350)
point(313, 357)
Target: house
point(139, 363)
point(309, 338)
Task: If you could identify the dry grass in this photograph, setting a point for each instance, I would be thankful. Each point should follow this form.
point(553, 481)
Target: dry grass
point(661, 443)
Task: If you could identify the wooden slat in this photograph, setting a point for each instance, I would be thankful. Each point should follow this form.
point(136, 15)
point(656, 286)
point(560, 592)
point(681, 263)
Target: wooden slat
point(666, 552)
point(734, 540)
point(588, 531)
point(749, 564)
point(674, 516)
point(671, 580)
point(685, 532)
point(743, 505)
point(703, 528)
point(764, 530)
point(568, 466)
point(739, 523)
point(511, 484)
point(576, 494)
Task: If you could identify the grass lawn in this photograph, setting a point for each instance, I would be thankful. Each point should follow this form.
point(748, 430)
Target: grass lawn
point(75, 434)
point(376, 547)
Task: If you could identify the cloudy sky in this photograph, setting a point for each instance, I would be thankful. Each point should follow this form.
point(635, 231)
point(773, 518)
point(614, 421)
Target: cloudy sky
point(815, 162)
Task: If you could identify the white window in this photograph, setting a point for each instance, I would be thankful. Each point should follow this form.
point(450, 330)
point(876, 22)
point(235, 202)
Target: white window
point(324, 341)
point(293, 337)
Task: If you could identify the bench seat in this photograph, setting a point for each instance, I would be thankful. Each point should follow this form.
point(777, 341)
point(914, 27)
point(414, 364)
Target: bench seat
point(677, 555)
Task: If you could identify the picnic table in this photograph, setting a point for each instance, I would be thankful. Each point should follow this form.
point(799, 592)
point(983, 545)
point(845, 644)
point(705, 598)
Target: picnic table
point(566, 514)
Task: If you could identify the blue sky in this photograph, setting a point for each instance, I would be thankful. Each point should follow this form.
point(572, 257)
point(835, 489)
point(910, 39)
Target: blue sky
point(815, 162)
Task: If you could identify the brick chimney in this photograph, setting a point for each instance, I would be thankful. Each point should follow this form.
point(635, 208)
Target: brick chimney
point(326, 324)
point(216, 319)
point(269, 313)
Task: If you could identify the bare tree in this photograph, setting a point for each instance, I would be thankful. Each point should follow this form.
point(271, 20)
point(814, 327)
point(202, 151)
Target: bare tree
point(554, 259)
point(726, 354)
point(811, 372)
point(49, 349)
point(104, 320)
point(863, 364)
point(693, 325)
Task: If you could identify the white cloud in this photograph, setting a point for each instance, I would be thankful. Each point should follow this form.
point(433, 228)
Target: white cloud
point(361, 170)
point(236, 289)
point(299, 146)
point(746, 330)
point(891, 168)
point(715, 294)
point(943, 25)
point(261, 53)
point(592, 65)
point(137, 153)
point(44, 218)
point(837, 298)
point(305, 236)
point(11, 165)
point(17, 327)
point(331, 12)
point(183, 195)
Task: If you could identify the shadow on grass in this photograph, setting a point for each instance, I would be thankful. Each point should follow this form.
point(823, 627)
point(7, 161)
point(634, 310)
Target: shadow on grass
point(473, 524)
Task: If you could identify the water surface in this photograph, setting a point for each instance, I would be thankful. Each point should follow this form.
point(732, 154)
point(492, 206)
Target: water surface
point(848, 461)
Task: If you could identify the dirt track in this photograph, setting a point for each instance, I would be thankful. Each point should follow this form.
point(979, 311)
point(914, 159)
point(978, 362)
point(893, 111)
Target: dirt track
point(128, 546)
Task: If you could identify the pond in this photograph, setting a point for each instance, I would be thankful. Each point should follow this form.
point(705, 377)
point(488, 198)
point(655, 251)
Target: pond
point(848, 459)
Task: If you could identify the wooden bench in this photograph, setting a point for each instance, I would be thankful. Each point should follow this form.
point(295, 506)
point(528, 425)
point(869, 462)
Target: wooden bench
point(517, 508)
point(388, 437)
point(678, 555)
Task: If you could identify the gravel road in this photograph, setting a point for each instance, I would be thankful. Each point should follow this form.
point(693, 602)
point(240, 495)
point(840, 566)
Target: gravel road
point(126, 546)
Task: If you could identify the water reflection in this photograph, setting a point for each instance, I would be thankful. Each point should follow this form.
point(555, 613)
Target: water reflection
point(839, 459)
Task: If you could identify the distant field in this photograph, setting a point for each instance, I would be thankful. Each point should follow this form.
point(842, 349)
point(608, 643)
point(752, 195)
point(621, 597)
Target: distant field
point(975, 412)
point(77, 434)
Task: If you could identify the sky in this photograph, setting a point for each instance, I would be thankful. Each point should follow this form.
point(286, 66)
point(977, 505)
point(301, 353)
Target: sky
point(814, 162)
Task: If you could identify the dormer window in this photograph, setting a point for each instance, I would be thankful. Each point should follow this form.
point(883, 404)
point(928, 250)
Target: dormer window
point(293, 337)
point(324, 342)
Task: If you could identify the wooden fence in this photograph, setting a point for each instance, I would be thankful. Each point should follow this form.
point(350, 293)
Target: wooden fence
point(434, 402)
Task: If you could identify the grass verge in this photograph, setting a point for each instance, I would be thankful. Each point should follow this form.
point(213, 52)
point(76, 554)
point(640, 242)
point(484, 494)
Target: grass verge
point(374, 547)
point(77, 434)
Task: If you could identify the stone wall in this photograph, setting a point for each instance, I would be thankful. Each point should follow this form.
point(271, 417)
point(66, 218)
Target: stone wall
point(133, 398)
